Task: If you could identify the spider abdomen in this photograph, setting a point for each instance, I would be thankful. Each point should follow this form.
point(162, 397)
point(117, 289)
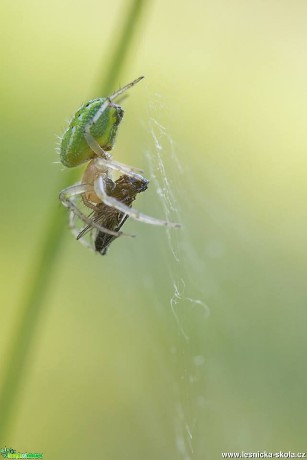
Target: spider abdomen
point(74, 149)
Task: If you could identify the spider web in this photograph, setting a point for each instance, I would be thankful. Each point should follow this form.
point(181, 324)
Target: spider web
point(187, 301)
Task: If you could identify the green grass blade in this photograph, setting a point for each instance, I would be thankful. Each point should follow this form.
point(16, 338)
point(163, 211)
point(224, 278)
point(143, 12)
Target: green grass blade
point(32, 309)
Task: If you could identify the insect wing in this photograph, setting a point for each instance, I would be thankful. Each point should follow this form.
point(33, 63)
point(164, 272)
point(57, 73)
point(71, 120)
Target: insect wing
point(103, 240)
point(108, 218)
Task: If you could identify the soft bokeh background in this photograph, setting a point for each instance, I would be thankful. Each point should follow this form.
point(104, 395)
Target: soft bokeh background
point(115, 372)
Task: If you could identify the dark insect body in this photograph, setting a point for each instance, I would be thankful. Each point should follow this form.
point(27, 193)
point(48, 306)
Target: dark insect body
point(125, 190)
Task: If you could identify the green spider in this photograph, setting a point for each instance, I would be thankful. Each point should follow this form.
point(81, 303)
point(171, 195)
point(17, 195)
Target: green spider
point(89, 137)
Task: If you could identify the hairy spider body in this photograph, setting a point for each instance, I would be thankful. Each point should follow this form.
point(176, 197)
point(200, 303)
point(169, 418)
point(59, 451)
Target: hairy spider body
point(74, 149)
point(89, 136)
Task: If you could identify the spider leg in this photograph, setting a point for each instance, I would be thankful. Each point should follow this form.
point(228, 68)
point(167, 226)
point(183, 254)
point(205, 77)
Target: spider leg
point(110, 99)
point(66, 197)
point(105, 158)
point(131, 212)
point(125, 88)
point(75, 231)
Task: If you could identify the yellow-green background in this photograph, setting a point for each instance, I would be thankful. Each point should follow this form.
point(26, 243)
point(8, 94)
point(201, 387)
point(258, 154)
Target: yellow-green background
point(111, 375)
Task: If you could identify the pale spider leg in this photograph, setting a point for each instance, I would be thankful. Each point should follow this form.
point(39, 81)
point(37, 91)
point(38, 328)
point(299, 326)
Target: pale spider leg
point(116, 166)
point(105, 158)
point(65, 197)
point(111, 98)
point(131, 212)
point(75, 231)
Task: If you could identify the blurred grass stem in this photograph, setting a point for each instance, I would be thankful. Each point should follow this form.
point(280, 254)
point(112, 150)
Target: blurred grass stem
point(30, 313)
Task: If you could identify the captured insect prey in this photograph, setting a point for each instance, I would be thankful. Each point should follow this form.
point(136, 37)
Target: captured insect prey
point(124, 190)
point(101, 203)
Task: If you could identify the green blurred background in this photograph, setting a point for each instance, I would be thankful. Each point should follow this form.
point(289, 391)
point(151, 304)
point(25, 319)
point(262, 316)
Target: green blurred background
point(123, 366)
